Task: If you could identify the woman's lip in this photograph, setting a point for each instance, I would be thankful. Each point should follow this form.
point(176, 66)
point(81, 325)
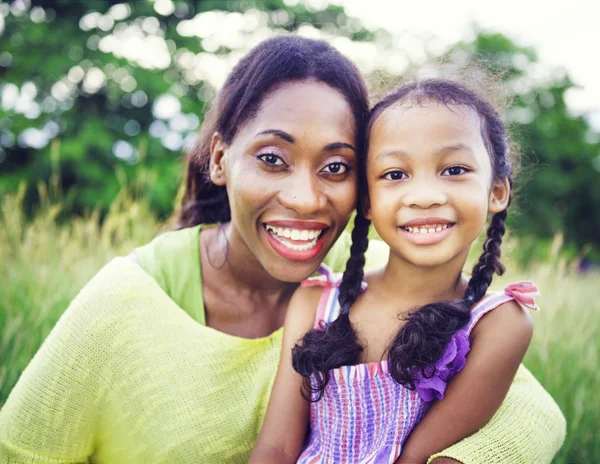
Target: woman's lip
point(295, 255)
point(300, 225)
point(428, 221)
point(429, 238)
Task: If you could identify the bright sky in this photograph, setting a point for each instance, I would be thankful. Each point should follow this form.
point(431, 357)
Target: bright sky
point(564, 33)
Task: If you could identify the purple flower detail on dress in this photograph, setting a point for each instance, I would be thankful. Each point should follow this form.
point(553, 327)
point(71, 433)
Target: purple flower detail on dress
point(453, 360)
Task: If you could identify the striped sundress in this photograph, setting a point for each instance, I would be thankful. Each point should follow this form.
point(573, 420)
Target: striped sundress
point(364, 415)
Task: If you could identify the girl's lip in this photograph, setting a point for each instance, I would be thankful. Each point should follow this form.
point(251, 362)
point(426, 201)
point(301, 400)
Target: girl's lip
point(295, 255)
point(427, 221)
point(429, 238)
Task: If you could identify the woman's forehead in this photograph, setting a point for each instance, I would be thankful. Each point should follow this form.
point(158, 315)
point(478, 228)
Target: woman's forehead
point(305, 106)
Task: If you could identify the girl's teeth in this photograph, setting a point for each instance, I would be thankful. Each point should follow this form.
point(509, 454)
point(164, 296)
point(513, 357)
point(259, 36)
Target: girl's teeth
point(435, 228)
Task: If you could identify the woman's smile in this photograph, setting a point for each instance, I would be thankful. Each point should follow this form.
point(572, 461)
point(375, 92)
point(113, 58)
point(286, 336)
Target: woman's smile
point(296, 240)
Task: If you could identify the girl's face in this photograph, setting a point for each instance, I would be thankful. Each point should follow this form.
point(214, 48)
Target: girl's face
point(290, 177)
point(430, 182)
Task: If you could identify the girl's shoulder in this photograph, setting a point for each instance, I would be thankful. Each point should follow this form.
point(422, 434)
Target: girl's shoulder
point(506, 310)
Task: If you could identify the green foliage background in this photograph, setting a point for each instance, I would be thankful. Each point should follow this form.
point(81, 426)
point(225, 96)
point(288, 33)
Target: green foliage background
point(48, 49)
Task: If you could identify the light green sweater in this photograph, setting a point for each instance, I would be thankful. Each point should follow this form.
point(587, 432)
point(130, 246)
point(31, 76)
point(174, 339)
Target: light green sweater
point(131, 375)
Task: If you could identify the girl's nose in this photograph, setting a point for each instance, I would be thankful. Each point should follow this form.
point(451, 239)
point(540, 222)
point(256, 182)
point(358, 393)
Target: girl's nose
point(302, 193)
point(426, 193)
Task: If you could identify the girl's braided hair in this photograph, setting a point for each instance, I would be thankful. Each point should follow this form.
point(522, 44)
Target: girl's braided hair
point(421, 341)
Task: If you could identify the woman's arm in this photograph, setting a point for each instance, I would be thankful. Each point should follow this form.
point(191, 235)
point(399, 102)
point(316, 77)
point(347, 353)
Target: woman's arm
point(282, 434)
point(50, 415)
point(498, 345)
point(528, 428)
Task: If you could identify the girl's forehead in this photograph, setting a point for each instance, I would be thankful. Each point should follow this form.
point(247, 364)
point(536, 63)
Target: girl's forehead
point(426, 123)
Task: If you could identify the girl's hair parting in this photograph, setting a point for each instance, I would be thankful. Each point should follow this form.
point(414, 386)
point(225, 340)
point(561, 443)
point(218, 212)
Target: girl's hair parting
point(422, 340)
point(276, 61)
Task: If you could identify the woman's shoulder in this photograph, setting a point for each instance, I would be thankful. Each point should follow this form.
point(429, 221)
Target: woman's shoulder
point(169, 255)
point(164, 247)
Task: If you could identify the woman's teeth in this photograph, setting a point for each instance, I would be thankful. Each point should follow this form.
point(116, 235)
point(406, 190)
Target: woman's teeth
point(429, 229)
point(309, 236)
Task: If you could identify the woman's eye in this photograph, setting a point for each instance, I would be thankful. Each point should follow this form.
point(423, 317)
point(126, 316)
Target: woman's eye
point(455, 171)
point(335, 168)
point(394, 175)
point(271, 159)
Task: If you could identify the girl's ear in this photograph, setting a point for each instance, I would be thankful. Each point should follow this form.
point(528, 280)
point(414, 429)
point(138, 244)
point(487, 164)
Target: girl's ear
point(217, 164)
point(499, 196)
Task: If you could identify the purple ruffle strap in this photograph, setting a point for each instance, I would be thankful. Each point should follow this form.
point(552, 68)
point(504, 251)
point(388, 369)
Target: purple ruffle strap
point(453, 360)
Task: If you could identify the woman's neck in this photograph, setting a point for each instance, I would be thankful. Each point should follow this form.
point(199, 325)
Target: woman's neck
point(235, 269)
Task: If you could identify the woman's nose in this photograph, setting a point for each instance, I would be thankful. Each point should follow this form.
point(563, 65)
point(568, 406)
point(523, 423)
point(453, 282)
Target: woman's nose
point(303, 193)
point(425, 193)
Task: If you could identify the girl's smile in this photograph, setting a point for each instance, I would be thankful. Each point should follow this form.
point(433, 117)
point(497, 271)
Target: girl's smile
point(427, 231)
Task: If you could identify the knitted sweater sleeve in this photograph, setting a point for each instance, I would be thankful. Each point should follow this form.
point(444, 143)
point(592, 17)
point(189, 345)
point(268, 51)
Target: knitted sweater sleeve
point(51, 414)
point(528, 427)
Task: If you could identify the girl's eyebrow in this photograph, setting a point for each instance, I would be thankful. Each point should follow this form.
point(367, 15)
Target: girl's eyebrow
point(441, 151)
point(289, 138)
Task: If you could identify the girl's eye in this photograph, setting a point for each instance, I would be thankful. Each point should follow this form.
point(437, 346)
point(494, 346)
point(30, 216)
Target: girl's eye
point(394, 175)
point(455, 171)
point(335, 168)
point(271, 159)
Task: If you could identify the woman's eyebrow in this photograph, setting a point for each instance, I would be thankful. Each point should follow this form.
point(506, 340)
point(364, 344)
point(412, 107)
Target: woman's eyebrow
point(338, 145)
point(278, 133)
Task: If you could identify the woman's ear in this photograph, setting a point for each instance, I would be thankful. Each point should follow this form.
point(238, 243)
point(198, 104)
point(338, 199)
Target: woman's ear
point(217, 164)
point(499, 196)
point(365, 204)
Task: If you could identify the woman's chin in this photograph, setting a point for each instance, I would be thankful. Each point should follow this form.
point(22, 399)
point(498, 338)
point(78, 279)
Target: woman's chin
point(293, 271)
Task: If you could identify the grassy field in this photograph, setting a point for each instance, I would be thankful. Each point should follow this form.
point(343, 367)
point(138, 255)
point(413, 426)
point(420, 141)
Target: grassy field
point(44, 264)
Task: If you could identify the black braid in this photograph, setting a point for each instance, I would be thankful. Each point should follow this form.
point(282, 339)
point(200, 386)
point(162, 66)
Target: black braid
point(335, 344)
point(354, 273)
point(489, 261)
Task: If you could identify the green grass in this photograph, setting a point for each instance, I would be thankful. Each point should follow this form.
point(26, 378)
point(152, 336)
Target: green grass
point(44, 263)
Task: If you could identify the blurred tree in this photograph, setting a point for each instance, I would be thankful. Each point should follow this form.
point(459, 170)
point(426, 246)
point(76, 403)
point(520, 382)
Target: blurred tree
point(121, 88)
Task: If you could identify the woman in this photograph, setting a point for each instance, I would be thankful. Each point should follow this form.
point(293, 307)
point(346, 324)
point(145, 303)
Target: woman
point(169, 356)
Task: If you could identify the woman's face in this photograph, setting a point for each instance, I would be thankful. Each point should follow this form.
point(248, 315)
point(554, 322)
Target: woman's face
point(291, 179)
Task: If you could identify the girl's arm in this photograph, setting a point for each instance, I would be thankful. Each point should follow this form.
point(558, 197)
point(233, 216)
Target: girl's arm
point(282, 434)
point(498, 345)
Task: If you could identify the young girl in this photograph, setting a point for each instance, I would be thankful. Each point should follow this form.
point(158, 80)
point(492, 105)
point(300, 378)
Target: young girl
point(383, 372)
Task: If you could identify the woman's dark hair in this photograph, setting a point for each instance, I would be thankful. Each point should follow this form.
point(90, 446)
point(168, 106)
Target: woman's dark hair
point(421, 341)
point(274, 62)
